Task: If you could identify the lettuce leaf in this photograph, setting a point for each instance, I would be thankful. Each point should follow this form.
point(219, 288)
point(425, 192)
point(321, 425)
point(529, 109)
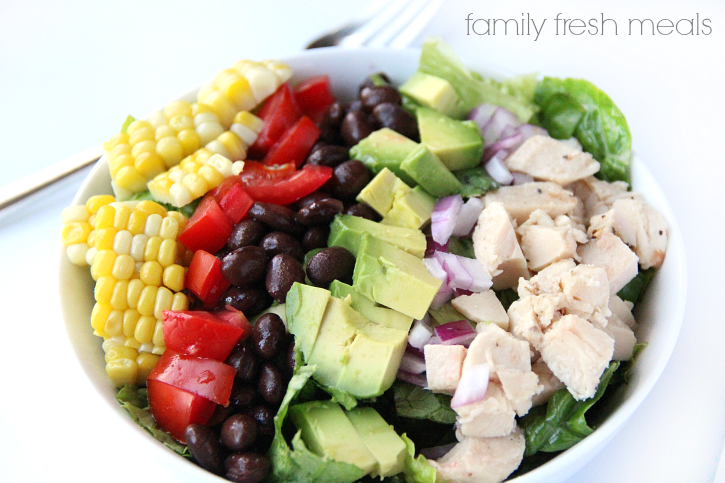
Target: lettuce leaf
point(635, 287)
point(413, 401)
point(475, 181)
point(186, 210)
point(576, 107)
point(417, 470)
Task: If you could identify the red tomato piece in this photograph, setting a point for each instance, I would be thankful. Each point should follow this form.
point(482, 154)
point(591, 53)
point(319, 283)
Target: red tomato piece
point(279, 113)
point(207, 378)
point(255, 172)
point(289, 190)
point(294, 144)
point(174, 409)
point(204, 278)
point(201, 334)
point(208, 228)
point(236, 203)
point(234, 317)
point(314, 96)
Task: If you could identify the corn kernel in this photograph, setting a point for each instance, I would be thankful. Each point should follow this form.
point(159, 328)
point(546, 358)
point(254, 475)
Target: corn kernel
point(122, 242)
point(169, 228)
point(200, 107)
point(249, 120)
point(91, 255)
point(119, 300)
point(236, 88)
point(136, 222)
point(189, 140)
point(146, 347)
point(91, 240)
point(118, 150)
point(151, 252)
point(145, 329)
point(132, 342)
point(138, 246)
point(130, 319)
point(74, 213)
point(105, 238)
point(180, 219)
point(146, 363)
point(180, 195)
point(157, 119)
point(122, 372)
point(164, 131)
point(170, 150)
point(150, 207)
point(147, 300)
point(116, 164)
point(114, 323)
point(180, 302)
point(177, 108)
point(109, 344)
point(139, 135)
point(208, 131)
point(159, 350)
point(158, 338)
point(164, 300)
point(149, 164)
point(196, 185)
point(223, 106)
point(99, 315)
point(117, 139)
point(123, 267)
point(103, 264)
point(137, 124)
point(104, 217)
point(146, 146)
point(130, 179)
point(173, 277)
point(234, 146)
point(103, 290)
point(76, 232)
point(151, 273)
point(77, 254)
point(95, 202)
point(168, 252)
point(120, 352)
point(221, 164)
point(135, 287)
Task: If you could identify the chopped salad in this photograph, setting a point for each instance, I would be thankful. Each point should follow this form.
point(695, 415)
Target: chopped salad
point(434, 282)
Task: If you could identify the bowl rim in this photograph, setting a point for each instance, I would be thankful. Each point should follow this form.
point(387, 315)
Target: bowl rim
point(561, 466)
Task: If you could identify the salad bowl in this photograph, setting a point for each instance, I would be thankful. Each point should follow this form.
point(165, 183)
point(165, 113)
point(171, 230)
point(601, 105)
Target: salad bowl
point(659, 314)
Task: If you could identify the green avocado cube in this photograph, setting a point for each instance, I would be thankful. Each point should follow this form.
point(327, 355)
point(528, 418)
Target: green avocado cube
point(428, 171)
point(382, 190)
point(394, 278)
point(305, 307)
point(411, 210)
point(376, 313)
point(381, 440)
point(385, 148)
point(435, 93)
point(327, 431)
point(347, 230)
point(457, 143)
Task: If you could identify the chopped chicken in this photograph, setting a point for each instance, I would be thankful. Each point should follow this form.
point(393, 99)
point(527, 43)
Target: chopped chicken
point(548, 159)
point(548, 380)
point(623, 310)
point(545, 241)
point(577, 353)
point(497, 248)
point(493, 416)
point(482, 308)
point(624, 338)
point(522, 200)
point(598, 196)
point(482, 460)
point(443, 365)
point(610, 253)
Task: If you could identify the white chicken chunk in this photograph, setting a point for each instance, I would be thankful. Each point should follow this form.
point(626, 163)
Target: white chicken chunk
point(642, 227)
point(522, 200)
point(624, 338)
point(617, 259)
point(598, 196)
point(623, 310)
point(548, 380)
point(482, 460)
point(443, 365)
point(577, 353)
point(482, 308)
point(548, 159)
point(497, 248)
point(493, 416)
point(545, 241)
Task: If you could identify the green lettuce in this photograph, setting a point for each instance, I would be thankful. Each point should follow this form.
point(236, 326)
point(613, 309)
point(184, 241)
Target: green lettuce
point(576, 107)
point(635, 287)
point(186, 210)
point(475, 182)
point(446, 313)
point(413, 401)
point(463, 247)
point(417, 470)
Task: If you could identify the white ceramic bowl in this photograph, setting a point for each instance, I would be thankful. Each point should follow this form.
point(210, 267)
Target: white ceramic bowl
point(659, 315)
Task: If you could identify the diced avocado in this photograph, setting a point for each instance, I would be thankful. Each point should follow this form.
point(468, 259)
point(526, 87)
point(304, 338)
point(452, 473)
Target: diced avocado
point(457, 143)
point(393, 278)
point(373, 361)
point(305, 307)
point(412, 210)
point(347, 230)
point(430, 172)
point(338, 330)
point(381, 440)
point(376, 313)
point(381, 191)
point(327, 431)
point(435, 93)
point(385, 148)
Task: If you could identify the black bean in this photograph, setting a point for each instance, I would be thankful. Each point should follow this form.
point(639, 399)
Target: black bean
point(269, 335)
point(244, 360)
point(333, 263)
point(250, 300)
point(245, 266)
point(319, 212)
point(221, 413)
point(283, 270)
point(330, 124)
point(278, 242)
point(355, 105)
point(348, 179)
point(247, 467)
point(264, 416)
point(398, 119)
point(204, 446)
point(276, 216)
point(315, 237)
point(271, 383)
point(246, 232)
point(306, 200)
point(355, 127)
point(243, 394)
point(375, 95)
point(363, 211)
point(239, 432)
point(329, 155)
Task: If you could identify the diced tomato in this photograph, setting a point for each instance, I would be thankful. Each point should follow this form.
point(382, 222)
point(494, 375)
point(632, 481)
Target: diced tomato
point(286, 191)
point(174, 409)
point(294, 144)
point(207, 378)
point(235, 203)
point(208, 228)
point(314, 96)
point(204, 278)
point(234, 317)
point(279, 113)
point(201, 334)
point(255, 172)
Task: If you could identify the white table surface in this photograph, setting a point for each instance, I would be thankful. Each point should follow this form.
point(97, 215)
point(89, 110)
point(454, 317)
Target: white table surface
point(71, 71)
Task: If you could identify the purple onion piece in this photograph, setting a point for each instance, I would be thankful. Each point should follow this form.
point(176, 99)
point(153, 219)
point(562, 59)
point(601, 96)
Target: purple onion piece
point(437, 452)
point(417, 379)
point(443, 218)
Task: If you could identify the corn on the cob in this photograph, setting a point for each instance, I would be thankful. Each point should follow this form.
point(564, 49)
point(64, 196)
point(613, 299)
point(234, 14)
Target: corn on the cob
point(151, 147)
point(138, 266)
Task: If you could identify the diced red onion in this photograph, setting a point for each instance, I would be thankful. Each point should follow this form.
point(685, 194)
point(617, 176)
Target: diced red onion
point(417, 379)
point(437, 452)
point(415, 350)
point(467, 217)
point(459, 292)
point(444, 294)
point(472, 386)
point(434, 340)
point(431, 246)
point(508, 144)
point(482, 280)
point(530, 130)
point(522, 178)
point(499, 121)
point(464, 273)
point(412, 364)
point(443, 217)
point(498, 170)
point(420, 334)
point(482, 114)
point(459, 332)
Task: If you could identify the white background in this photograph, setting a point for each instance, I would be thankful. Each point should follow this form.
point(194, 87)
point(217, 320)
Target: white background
point(71, 71)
